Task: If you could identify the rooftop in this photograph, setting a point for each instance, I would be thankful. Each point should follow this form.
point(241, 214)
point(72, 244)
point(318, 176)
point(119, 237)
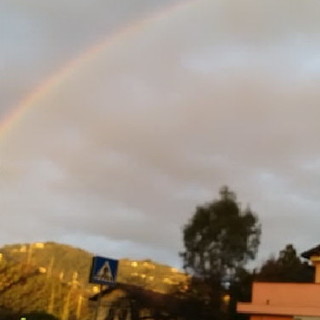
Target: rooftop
point(312, 252)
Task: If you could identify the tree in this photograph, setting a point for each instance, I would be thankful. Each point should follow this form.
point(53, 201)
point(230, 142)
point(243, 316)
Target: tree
point(219, 240)
point(6, 314)
point(288, 267)
point(39, 316)
point(240, 290)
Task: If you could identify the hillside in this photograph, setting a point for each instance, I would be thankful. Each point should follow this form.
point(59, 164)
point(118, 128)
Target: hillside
point(53, 277)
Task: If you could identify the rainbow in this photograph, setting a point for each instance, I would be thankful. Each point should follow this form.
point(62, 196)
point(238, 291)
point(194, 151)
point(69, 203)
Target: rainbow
point(18, 111)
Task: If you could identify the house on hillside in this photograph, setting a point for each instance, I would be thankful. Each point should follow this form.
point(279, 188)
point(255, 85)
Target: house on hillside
point(286, 301)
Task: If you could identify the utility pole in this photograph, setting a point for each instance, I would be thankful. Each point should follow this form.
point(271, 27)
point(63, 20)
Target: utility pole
point(51, 299)
point(79, 305)
point(96, 315)
point(49, 281)
point(50, 268)
point(28, 258)
point(29, 254)
point(66, 305)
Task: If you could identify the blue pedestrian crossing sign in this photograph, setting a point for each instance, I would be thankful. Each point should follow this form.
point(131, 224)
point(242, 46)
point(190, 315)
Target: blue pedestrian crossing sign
point(103, 270)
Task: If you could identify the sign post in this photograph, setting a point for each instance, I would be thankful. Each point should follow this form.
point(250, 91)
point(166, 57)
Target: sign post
point(98, 303)
point(103, 272)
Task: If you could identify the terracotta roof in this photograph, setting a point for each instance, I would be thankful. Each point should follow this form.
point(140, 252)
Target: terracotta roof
point(312, 252)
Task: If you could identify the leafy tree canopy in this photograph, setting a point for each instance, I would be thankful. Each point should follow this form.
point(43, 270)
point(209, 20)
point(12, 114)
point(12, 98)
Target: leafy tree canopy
point(220, 238)
point(287, 267)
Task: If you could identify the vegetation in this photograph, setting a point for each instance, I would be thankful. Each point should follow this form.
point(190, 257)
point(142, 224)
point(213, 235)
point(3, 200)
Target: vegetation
point(219, 240)
point(53, 278)
point(39, 316)
point(287, 267)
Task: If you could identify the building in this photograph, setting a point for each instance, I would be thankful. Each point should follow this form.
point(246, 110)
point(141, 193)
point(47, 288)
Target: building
point(286, 301)
point(131, 302)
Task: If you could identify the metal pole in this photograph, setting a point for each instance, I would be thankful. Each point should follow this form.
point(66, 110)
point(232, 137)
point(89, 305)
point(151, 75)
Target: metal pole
point(98, 303)
point(79, 306)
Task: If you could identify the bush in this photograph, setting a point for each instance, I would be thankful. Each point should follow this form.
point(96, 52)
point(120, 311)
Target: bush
point(39, 316)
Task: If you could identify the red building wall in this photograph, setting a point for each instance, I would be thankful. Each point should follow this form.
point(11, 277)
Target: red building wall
point(282, 301)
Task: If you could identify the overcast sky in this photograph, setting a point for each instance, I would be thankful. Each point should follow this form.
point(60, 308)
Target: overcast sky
point(181, 98)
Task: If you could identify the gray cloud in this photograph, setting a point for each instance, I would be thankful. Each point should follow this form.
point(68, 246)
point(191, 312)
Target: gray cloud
point(124, 148)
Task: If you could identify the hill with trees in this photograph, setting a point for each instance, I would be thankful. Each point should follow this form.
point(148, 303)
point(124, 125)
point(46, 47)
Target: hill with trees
point(53, 278)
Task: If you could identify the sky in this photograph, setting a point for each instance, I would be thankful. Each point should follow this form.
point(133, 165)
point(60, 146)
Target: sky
point(118, 118)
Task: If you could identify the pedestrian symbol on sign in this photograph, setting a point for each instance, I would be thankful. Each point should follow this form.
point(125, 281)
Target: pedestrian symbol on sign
point(105, 274)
